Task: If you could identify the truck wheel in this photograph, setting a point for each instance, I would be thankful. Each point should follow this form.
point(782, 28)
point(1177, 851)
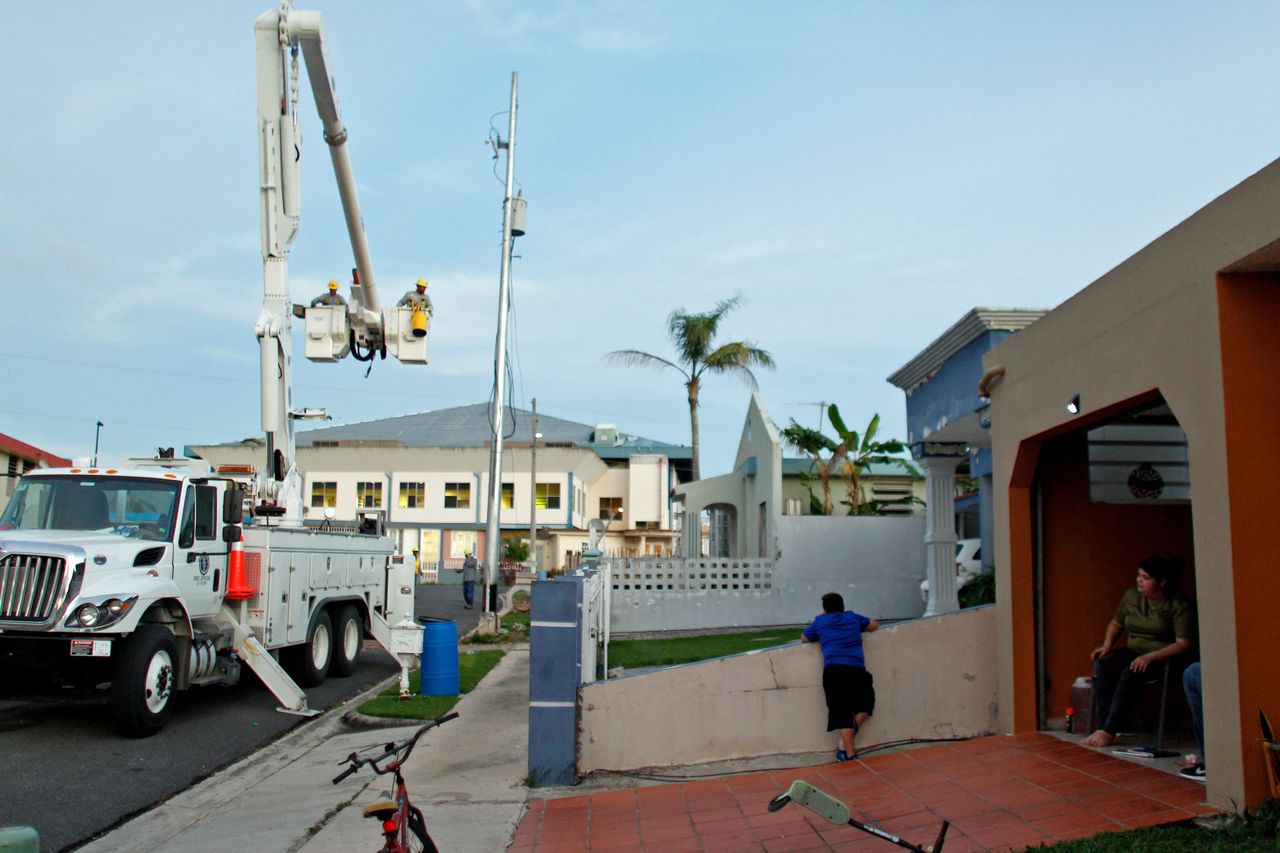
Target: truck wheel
point(349, 637)
point(312, 659)
point(142, 681)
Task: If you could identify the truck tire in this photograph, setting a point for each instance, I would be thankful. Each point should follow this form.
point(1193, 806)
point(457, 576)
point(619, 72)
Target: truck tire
point(311, 660)
point(348, 638)
point(142, 682)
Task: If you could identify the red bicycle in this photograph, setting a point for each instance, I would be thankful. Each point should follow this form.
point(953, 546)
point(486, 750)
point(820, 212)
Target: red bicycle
point(404, 829)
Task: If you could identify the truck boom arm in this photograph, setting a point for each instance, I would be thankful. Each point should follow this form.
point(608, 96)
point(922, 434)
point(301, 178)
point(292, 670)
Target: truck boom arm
point(279, 35)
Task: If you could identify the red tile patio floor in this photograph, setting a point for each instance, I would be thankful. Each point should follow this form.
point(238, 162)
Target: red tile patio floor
point(1000, 793)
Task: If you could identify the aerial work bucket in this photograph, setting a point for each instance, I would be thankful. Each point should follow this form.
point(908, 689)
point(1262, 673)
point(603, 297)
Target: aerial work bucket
point(419, 323)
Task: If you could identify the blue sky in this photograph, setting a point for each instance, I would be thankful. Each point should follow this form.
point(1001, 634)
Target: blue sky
point(862, 173)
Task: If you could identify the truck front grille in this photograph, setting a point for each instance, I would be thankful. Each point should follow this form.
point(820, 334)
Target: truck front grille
point(29, 586)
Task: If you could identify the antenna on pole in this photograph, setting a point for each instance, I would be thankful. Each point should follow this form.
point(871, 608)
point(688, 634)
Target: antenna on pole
point(493, 534)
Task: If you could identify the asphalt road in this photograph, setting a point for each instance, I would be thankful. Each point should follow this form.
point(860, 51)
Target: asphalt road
point(65, 771)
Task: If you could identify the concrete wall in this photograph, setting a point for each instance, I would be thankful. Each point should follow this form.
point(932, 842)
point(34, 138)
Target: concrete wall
point(934, 678)
point(875, 563)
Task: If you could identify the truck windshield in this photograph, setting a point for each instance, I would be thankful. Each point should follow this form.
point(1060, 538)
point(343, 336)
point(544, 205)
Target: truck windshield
point(133, 508)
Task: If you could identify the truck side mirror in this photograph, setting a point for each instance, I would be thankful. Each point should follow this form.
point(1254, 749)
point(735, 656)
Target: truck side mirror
point(232, 505)
point(231, 534)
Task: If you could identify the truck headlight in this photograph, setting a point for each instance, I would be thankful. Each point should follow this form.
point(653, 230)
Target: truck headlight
point(100, 612)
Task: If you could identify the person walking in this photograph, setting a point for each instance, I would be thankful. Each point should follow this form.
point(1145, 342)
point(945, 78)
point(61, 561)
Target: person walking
point(850, 690)
point(470, 573)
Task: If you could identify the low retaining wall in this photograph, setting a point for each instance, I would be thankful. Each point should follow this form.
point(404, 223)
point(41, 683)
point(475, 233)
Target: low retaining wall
point(934, 678)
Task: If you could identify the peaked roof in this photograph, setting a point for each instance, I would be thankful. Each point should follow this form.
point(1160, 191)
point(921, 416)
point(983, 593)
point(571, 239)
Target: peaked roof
point(468, 426)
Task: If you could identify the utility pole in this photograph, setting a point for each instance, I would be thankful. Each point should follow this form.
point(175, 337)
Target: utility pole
point(493, 534)
point(533, 489)
point(96, 432)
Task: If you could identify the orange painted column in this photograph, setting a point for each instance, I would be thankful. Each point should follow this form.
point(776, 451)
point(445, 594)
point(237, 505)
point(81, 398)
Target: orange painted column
point(1021, 592)
point(1248, 307)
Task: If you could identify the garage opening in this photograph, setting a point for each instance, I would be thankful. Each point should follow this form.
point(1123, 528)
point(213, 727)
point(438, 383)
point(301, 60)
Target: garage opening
point(1106, 497)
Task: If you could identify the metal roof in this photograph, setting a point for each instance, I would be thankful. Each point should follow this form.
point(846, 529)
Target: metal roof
point(468, 426)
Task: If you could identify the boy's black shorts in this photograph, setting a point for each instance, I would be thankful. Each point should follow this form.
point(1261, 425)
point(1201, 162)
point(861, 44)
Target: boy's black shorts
point(849, 691)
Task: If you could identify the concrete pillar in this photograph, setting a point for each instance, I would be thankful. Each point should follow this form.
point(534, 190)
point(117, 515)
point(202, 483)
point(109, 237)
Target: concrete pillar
point(940, 532)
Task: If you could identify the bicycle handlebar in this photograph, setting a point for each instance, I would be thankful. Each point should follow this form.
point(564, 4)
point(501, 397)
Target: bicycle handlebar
point(391, 749)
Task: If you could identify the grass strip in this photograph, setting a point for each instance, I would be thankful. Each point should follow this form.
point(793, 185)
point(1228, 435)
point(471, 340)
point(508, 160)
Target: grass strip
point(1251, 831)
point(472, 667)
point(631, 654)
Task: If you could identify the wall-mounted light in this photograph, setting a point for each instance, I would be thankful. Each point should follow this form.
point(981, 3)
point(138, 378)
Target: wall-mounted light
point(1073, 405)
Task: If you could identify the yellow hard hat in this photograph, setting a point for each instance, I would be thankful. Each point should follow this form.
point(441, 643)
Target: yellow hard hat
point(422, 282)
point(333, 285)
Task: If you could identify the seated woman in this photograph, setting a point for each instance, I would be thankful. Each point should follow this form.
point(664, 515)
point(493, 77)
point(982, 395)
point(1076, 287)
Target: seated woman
point(1157, 621)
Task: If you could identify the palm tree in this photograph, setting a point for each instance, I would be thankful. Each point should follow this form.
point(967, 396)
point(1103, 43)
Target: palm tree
point(697, 354)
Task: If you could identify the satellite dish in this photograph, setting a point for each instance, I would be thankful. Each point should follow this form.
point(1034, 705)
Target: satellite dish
point(595, 532)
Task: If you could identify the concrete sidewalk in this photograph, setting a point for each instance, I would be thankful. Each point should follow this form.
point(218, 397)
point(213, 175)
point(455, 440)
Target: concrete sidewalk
point(467, 777)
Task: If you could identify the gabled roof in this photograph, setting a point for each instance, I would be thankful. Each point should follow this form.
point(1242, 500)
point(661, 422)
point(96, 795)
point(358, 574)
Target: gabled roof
point(968, 328)
point(468, 426)
point(13, 447)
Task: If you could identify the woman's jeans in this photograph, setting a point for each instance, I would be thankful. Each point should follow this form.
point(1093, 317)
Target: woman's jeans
point(1191, 686)
point(1115, 687)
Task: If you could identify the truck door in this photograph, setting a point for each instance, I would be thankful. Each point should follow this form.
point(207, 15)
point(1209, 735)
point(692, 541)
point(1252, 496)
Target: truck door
point(200, 559)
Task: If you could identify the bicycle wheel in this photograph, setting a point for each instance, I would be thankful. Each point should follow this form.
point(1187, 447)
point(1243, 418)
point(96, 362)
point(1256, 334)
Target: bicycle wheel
point(418, 826)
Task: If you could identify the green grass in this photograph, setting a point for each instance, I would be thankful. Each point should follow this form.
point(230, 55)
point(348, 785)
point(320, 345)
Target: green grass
point(472, 666)
point(1255, 831)
point(630, 654)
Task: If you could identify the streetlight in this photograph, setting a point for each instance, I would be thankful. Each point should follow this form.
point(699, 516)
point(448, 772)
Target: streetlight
point(97, 430)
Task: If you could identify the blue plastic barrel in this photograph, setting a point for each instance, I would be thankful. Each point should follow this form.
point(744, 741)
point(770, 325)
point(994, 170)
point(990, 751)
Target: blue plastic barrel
point(439, 657)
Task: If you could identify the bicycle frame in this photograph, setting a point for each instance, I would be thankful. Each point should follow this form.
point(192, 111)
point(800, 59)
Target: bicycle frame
point(398, 816)
point(833, 811)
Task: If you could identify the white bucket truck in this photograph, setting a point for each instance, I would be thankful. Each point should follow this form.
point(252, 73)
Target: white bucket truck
point(147, 577)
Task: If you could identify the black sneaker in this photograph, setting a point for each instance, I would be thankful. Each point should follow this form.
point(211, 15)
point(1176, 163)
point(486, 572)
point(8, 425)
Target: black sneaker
point(1195, 771)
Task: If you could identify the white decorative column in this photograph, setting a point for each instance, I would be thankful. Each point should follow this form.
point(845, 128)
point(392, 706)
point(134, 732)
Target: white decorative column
point(940, 532)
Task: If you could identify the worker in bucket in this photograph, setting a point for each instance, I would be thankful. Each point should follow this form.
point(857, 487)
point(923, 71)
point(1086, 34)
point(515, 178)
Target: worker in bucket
point(851, 694)
point(332, 297)
point(417, 298)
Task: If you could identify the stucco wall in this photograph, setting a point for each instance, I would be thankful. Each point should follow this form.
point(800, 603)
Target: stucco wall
point(934, 678)
point(877, 564)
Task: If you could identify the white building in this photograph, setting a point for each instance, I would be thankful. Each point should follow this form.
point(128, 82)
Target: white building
point(427, 475)
point(17, 458)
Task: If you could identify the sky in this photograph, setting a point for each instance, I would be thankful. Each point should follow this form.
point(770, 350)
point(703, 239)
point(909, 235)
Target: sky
point(862, 173)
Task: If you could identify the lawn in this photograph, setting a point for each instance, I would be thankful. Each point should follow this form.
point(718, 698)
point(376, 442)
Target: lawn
point(630, 654)
point(1257, 831)
point(472, 666)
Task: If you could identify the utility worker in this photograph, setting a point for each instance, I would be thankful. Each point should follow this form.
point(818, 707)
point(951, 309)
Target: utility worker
point(417, 298)
point(330, 298)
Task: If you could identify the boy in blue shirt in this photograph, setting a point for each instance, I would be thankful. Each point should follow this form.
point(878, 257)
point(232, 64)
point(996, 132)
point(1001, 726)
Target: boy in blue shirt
point(851, 696)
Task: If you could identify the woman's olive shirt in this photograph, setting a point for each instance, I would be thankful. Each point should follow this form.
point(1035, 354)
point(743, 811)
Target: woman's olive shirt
point(1153, 624)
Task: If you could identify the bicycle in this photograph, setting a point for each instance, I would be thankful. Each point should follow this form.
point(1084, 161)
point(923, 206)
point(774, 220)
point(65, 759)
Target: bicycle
point(399, 817)
point(833, 811)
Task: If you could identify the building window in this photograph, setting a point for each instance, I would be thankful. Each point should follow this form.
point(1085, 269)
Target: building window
point(412, 495)
point(610, 508)
point(457, 495)
point(462, 543)
point(368, 495)
point(508, 495)
point(324, 494)
point(548, 496)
